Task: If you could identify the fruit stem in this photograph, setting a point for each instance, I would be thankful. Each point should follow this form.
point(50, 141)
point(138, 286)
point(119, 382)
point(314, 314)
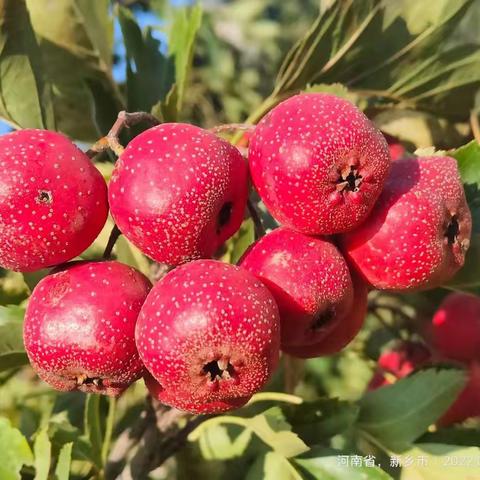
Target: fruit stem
point(111, 140)
point(114, 234)
point(275, 397)
point(257, 220)
point(475, 124)
point(229, 127)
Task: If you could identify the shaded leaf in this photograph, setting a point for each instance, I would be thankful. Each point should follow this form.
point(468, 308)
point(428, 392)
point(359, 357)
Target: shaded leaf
point(150, 73)
point(321, 419)
point(76, 40)
point(398, 414)
point(456, 435)
point(12, 351)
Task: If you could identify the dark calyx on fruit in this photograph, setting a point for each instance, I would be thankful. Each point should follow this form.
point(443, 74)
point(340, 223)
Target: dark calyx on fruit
point(322, 319)
point(224, 215)
point(44, 197)
point(452, 231)
point(349, 180)
point(219, 370)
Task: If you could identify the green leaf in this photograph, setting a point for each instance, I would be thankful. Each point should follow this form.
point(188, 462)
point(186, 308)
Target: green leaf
point(272, 428)
point(335, 89)
point(468, 158)
point(242, 240)
point(183, 31)
point(12, 351)
point(14, 451)
point(61, 432)
point(62, 470)
point(76, 41)
point(398, 414)
point(273, 466)
point(455, 435)
point(405, 68)
point(325, 464)
point(25, 93)
point(432, 461)
point(222, 442)
point(321, 419)
point(93, 427)
point(129, 254)
point(150, 74)
point(43, 450)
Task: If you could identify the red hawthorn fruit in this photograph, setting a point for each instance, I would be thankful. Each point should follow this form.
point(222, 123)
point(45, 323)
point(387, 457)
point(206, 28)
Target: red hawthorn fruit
point(318, 163)
point(79, 329)
point(467, 404)
point(456, 327)
point(309, 280)
point(53, 201)
point(178, 192)
point(209, 335)
point(343, 333)
point(399, 362)
point(419, 231)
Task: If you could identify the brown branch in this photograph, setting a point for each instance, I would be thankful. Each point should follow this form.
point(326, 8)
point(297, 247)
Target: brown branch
point(257, 221)
point(111, 140)
point(161, 437)
point(114, 234)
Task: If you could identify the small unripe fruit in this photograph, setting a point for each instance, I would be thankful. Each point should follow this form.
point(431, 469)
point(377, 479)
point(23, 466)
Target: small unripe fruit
point(178, 192)
point(310, 281)
point(79, 329)
point(209, 335)
point(318, 163)
point(397, 150)
point(419, 231)
point(53, 201)
point(456, 327)
point(399, 362)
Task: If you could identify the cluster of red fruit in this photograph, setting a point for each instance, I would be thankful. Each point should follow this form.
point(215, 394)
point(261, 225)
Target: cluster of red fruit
point(208, 334)
point(452, 335)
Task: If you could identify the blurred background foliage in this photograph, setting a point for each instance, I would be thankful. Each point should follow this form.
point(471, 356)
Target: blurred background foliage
point(414, 68)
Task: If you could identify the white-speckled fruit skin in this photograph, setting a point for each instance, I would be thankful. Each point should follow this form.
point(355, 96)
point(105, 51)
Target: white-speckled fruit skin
point(310, 281)
point(80, 323)
point(53, 201)
point(403, 245)
point(301, 151)
point(202, 312)
point(168, 190)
